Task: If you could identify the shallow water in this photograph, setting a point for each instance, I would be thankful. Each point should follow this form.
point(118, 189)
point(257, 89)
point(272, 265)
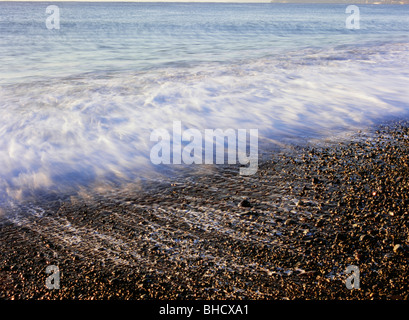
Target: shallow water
point(78, 104)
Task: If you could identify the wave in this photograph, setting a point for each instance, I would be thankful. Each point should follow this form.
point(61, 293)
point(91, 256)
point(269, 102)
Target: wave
point(62, 133)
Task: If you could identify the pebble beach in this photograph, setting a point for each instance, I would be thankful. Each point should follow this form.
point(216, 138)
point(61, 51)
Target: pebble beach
point(287, 232)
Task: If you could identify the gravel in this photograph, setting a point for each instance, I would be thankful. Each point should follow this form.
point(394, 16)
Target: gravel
point(287, 232)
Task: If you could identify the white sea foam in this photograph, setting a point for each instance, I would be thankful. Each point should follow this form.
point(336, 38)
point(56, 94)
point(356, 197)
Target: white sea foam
point(64, 132)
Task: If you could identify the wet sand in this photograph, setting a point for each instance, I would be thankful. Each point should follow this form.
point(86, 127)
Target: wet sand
point(309, 213)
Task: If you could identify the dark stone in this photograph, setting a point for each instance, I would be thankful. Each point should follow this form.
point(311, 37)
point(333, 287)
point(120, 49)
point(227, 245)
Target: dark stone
point(244, 203)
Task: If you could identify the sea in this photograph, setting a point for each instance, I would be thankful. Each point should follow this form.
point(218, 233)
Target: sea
point(82, 86)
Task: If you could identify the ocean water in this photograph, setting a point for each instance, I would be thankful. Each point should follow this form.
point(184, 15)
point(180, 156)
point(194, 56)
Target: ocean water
point(78, 104)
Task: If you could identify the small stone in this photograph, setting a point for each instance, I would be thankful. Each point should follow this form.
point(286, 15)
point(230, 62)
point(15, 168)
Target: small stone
point(311, 273)
point(319, 223)
point(362, 238)
point(398, 248)
point(289, 222)
point(298, 202)
point(340, 237)
point(358, 255)
point(244, 203)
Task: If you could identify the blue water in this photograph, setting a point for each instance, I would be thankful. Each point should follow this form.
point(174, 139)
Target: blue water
point(79, 103)
point(136, 36)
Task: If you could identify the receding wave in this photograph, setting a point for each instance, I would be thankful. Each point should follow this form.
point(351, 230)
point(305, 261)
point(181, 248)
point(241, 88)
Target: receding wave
point(61, 133)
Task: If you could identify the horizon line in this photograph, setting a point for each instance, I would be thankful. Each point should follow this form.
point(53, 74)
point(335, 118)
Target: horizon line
point(359, 2)
point(230, 1)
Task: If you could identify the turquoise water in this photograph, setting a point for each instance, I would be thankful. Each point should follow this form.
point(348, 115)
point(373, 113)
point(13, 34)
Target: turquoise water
point(78, 104)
